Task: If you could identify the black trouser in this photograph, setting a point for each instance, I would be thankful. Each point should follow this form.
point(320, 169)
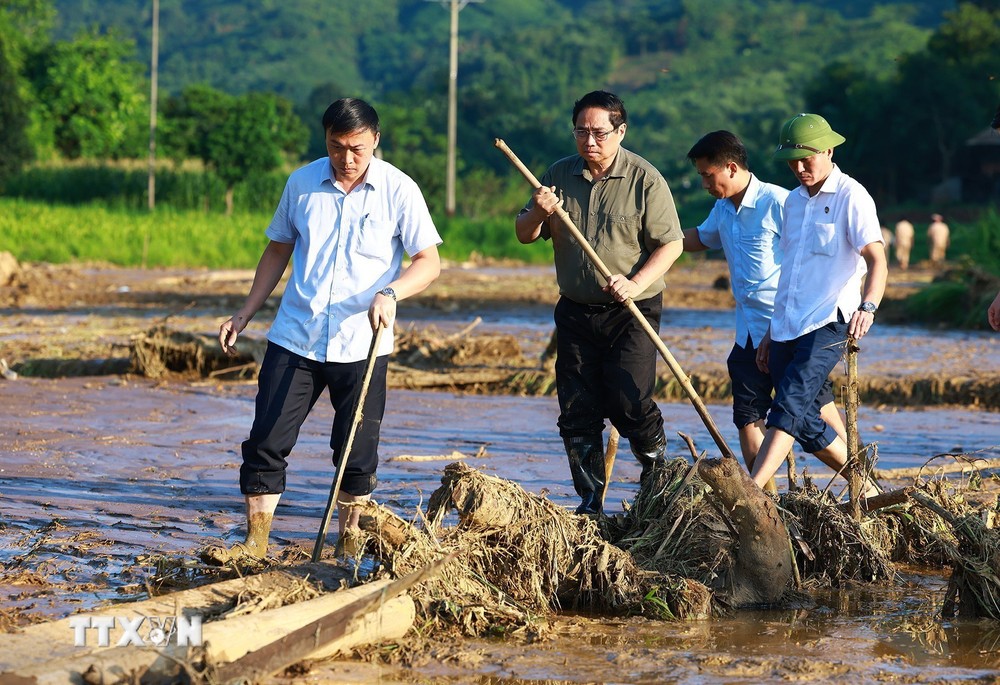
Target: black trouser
point(606, 368)
point(287, 388)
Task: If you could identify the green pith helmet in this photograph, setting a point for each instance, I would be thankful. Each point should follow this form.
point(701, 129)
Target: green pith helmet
point(805, 135)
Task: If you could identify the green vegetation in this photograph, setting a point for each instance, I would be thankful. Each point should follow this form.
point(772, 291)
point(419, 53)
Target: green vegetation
point(34, 231)
point(243, 85)
point(44, 232)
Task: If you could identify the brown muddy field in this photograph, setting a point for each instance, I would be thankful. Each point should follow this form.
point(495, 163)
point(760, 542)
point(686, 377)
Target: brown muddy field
point(103, 473)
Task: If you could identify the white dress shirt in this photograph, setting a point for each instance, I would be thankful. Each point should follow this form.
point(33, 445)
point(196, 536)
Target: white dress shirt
point(348, 246)
point(822, 267)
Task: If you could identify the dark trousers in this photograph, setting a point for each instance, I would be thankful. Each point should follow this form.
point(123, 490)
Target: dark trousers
point(606, 368)
point(287, 388)
point(800, 368)
point(752, 388)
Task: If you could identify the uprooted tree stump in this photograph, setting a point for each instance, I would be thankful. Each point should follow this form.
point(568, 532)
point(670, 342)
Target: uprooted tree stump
point(761, 568)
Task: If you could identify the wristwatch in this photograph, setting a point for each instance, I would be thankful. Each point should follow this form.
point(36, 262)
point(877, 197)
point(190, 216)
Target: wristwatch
point(388, 292)
point(868, 307)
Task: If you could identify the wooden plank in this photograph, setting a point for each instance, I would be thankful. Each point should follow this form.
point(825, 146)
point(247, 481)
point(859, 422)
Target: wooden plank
point(229, 639)
point(18, 650)
point(300, 643)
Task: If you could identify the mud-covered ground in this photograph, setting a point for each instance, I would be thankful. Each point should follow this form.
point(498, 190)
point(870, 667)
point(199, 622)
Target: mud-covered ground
point(102, 474)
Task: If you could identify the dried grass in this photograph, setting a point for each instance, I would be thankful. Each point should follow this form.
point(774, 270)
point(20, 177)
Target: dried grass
point(519, 558)
point(840, 549)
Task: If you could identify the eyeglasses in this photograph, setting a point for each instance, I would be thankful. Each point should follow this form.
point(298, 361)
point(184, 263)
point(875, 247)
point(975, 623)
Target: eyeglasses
point(584, 133)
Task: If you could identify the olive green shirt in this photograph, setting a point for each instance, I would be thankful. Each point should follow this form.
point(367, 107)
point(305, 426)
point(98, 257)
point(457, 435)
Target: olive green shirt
point(624, 216)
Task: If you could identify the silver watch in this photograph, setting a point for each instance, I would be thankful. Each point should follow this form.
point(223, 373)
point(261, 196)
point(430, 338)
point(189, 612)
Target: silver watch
point(388, 292)
point(868, 307)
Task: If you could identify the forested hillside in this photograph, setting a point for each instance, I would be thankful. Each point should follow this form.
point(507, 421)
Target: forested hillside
point(887, 74)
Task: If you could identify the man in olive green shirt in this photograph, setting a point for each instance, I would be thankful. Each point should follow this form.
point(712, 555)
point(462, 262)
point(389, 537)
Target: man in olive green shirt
point(605, 361)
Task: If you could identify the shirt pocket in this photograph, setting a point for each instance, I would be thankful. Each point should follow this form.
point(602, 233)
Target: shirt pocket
point(622, 231)
point(824, 240)
point(374, 238)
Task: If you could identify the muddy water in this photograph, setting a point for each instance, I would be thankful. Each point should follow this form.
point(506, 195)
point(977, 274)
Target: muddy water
point(95, 473)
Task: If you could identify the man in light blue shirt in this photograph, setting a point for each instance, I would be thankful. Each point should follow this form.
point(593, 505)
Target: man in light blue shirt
point(746, 224)
point(344, 221)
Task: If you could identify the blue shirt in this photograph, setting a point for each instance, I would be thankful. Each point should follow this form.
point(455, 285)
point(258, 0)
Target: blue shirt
point(749, 236)
point(348, 246)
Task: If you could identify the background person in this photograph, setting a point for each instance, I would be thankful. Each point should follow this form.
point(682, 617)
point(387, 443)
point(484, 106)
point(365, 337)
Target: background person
point(746, 223)
point(938, 239)
point(344, 221)
point(904, 243)
point(605, 361)
point(830, 238)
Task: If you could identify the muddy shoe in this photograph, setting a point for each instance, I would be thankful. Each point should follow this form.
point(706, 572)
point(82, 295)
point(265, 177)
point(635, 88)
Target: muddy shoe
point(351, 544)
point(241, 552)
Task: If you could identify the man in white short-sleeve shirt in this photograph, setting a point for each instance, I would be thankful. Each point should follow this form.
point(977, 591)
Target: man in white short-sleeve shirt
point(746, 223)
point(832, 280)
point(344, 221)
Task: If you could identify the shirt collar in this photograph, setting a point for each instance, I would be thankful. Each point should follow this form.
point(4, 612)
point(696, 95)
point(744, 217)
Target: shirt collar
point(617, 169)
point(373, 178)
point(750, 196)
point(830, 185)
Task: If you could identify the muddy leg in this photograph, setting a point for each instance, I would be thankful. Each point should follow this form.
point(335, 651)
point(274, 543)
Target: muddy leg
point(351, 540)
point(260, 513)
point(751, 436)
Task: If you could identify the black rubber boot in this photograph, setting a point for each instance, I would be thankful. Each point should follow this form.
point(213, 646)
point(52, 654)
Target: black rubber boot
point(586, 464)
point(650, 455)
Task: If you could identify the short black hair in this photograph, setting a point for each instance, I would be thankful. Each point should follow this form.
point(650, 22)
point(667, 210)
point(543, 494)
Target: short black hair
point(347, 115)
point(720, 147)
point(603, 100)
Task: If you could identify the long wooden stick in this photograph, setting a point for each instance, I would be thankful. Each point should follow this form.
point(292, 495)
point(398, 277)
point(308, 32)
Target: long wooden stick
point(855, 469)
point(609, 462)
point(356, 420)
point(672, 364)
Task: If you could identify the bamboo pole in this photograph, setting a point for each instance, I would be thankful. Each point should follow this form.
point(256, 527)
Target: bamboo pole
point(672, 364)
point(855, 466)
point(345, 451)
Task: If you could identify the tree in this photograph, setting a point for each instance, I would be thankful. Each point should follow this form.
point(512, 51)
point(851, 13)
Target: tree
point(254, 135)
point(91, 97)
point(188, 119)
point(14, 147)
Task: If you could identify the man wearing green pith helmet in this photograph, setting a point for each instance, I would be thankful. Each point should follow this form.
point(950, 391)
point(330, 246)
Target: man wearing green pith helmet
point(832, 281)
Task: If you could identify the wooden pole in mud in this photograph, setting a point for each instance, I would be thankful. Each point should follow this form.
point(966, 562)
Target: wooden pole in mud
point(855, 467)
point(672, 364)
point(346, 449)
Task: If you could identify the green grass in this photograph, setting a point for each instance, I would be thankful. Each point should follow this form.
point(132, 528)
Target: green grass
point(38, 232)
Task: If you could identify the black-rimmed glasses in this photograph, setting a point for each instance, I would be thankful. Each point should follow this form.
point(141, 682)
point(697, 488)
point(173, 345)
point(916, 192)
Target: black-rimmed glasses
point(584, 133)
